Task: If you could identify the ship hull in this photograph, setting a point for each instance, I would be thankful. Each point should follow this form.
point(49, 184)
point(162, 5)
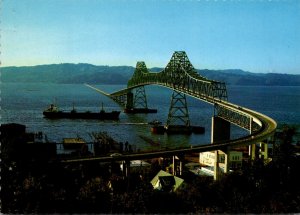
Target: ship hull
point(114, 115)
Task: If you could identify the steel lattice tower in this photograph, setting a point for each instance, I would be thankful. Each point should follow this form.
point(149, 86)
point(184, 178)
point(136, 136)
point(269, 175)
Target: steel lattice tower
point(140, 99)
point(178, 112)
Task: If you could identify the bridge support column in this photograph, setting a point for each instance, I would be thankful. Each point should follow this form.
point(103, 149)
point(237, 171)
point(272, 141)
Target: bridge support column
point(252, 150)
point(252, 147)
point(126, 168)
point(259, 150)
point(140, 99)
point(177, 169)
point(263, 150)
point(226, 163)
point(129, 100)
point(216, 166)
point(174, 165)
point(220, 131)
point(178, 112)
point(180, 167)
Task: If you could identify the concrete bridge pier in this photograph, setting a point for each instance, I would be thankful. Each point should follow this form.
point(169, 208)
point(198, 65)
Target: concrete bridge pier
point(129, 100)
point(257, 149)
point(218, 162)
point(216, 166)
point(252, 147)
point(252, 151)
point(220, 131)
point(174, 165)
point(263, 150)
point(180, 167)
point(177, 169)
point(226, 163)
point(126, 168)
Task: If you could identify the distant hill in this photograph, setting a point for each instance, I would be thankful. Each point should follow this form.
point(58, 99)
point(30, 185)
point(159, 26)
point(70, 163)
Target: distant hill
point(240, 77)
point(68, 73)
point(87, 73)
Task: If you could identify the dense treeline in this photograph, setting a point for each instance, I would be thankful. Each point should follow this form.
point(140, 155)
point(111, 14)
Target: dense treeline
point(87, 73)
point(30, 186)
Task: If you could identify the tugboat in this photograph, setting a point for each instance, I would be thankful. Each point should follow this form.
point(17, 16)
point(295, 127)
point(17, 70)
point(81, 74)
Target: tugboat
point(53, 112)
point(155, 122)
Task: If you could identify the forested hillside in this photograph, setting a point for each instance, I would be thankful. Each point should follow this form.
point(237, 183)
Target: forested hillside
point(87, 73)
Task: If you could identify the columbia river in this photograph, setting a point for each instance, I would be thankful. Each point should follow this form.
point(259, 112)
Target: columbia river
point(24, 103)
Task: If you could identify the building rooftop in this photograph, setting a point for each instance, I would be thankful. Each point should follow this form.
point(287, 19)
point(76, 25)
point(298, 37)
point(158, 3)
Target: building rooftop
point(163, 177)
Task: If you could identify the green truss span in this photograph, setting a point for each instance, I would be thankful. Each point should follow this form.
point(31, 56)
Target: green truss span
point(181, 76)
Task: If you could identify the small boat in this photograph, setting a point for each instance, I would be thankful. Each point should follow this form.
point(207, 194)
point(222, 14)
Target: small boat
point(155, 122)
point(53, 112)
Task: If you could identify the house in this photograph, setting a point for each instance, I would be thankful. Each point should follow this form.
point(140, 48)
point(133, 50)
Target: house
point(166, 182)
point(234, 159)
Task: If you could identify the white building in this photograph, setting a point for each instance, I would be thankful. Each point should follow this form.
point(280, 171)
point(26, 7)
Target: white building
point(234, 159)
point(137, 165)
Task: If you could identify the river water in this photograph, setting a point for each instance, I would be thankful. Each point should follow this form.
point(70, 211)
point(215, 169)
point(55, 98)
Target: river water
point(24, 103)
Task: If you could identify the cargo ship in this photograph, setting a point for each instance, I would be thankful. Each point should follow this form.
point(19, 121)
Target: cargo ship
point(53, 112)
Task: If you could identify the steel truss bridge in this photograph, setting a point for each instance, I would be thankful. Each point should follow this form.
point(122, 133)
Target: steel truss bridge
point(181, 77)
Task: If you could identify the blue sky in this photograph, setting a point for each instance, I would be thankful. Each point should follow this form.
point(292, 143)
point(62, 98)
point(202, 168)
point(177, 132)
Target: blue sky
point(253, 35)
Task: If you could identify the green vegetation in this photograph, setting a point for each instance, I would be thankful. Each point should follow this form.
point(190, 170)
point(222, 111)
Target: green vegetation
point(87, 73)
